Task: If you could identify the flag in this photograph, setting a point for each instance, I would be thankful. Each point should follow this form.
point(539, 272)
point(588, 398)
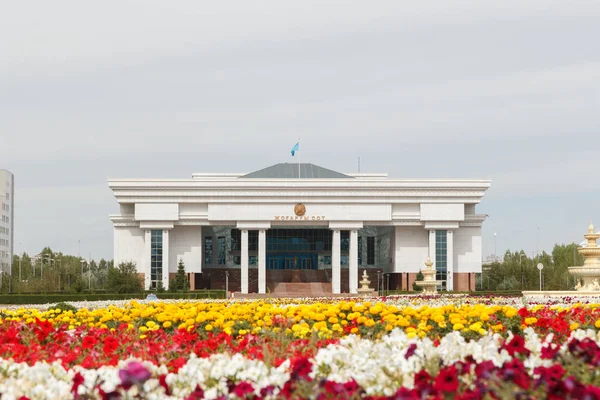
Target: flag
point(295, 148)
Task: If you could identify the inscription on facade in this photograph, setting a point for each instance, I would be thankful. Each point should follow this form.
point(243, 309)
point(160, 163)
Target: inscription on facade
point(299, 218)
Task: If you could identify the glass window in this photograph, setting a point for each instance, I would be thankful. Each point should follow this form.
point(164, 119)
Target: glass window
point(360, 250)
point(208, 250)
point(237, 260)
point(370, 250)
point(221, 249)
point(441, 253)
point(327, 260)
point(235, 239)
point(156, 260)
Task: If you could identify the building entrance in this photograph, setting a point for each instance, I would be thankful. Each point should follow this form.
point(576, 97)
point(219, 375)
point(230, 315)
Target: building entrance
point(292, 261)
point(296, 248)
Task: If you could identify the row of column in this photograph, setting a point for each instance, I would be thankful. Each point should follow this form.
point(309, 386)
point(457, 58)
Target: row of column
point(449, 255)
point(335, 261)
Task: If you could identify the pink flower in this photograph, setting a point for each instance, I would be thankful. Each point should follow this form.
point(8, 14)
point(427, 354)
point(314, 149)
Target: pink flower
point(135, 373)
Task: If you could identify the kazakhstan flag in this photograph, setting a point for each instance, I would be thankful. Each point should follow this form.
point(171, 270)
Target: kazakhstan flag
point(295, 148)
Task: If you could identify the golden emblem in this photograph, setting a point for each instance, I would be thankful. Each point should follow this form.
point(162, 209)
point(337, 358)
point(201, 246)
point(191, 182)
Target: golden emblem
point(299, 209)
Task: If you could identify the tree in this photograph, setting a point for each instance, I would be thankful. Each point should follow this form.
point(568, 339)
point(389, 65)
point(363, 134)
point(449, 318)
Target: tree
point(416, 287)
point(123, 279)
point(181, 281)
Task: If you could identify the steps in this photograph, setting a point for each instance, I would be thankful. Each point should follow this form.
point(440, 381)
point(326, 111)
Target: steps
point(301, 289)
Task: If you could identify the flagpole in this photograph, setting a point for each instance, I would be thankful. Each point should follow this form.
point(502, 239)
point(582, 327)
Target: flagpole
point(298, 158)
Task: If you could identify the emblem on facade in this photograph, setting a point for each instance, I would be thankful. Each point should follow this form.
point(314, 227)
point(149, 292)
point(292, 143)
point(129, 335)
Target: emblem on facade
point(299, 209)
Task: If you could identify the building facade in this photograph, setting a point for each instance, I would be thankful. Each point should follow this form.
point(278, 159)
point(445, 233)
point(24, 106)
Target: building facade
point(7, 198)
point(299, 217)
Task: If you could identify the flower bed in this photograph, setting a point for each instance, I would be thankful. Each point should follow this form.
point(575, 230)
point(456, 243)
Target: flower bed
point(317, 349)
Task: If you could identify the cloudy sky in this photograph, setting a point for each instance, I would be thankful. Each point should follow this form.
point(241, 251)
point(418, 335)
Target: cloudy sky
point(506, 90)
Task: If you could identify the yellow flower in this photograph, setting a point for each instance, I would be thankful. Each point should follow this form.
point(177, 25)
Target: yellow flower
point(208, 328)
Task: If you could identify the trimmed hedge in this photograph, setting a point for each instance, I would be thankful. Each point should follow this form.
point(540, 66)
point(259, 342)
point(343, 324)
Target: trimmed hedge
point(482, 293)
point(57, 298)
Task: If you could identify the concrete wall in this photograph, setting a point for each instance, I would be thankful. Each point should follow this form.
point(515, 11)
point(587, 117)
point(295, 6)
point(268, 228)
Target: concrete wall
point(412, 248)
point(129, 246)
point(186, 244)
point(467, 249)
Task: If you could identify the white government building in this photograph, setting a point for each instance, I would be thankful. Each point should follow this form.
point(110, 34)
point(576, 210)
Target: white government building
point(260, 227)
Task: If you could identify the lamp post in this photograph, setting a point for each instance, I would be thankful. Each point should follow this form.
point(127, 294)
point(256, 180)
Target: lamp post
point(20, 259)
point(495, 247)
point(90, 274)
point(540, 266)
point(227, 284)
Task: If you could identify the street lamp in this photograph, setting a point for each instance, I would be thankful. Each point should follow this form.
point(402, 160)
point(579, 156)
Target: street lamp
point(495, 247)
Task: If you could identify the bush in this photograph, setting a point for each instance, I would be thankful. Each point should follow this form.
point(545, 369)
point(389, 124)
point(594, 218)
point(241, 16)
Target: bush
point(62, 306)
point(420, 277)
point(124, 279)
point(55, 298)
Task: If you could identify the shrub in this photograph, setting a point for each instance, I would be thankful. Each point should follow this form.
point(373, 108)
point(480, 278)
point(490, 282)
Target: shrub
point(124, 279)
point(420, 277)
point(62, 306)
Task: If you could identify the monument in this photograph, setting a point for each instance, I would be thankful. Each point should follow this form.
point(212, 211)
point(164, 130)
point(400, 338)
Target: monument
point(589, 273)
point(429, 284)
point(365, 290)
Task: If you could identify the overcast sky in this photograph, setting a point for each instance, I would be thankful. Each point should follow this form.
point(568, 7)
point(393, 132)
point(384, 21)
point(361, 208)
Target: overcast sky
point(506, 90)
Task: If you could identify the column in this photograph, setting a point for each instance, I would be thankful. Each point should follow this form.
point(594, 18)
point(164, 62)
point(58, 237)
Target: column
point(353, 267)
point(165, 259)
point(432, 247)
point(262, 261)
point(244, 257)
point(450, 260)
point(147, 258)
point(335, 262)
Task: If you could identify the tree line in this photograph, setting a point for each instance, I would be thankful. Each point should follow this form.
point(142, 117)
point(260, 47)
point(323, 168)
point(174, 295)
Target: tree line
point(517, 271)
point(51, 271)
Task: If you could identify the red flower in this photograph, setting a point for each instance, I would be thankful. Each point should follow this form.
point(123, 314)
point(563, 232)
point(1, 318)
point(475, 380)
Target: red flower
point(514, 371)
point(110, 344)
point(197, 394)
point(301, 367)
point(412, 348)
point(406, 394)
point(162, 381)
point(89, 342)
point(447, 380)
point(242, 389)
point(516, 346)
point(78, 380)
point(422, 380)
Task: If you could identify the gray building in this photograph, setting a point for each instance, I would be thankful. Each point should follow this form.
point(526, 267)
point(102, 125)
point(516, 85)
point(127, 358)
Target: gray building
point(7, 220)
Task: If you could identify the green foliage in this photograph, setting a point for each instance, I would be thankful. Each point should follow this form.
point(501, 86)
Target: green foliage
point(518, 271)
point(415, 287)
point(62, 306)
point(55, 298)
point(160, 288)
point(124, 279)
point(79, 285)
point(181, 282)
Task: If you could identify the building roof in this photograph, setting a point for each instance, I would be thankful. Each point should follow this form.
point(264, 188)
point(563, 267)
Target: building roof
point(291, 170)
